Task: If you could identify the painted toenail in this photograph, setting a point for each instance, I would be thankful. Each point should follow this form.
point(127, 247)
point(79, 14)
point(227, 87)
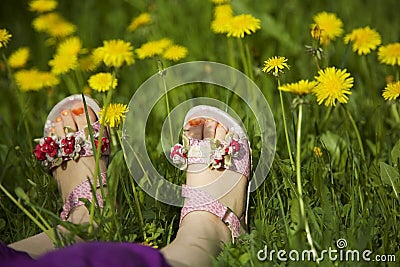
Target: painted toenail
point(64, 113)
point(58, 119)
point(209, 120)
point(195, 122)
point(78, 111)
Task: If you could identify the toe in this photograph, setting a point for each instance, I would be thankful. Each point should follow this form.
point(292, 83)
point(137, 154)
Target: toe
point(220, 132)
point(210, 126)
point(68, 120)
point(194, 128)
point(79, 115)
point(59, 127)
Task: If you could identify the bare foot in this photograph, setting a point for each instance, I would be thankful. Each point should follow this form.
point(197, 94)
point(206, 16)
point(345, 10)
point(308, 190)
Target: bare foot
point(71, 173)
point(68, 175)
point(201, 233)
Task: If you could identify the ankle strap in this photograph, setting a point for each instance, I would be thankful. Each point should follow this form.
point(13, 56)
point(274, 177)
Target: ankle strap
point(197, 200)
point(83, 190)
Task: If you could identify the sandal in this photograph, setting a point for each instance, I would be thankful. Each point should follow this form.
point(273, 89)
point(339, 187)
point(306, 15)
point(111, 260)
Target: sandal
point(233, 154)
point(53, 150)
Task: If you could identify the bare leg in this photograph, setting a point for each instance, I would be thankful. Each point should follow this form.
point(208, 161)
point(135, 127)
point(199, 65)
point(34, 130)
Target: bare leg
point(201, 233)
point(68, 176)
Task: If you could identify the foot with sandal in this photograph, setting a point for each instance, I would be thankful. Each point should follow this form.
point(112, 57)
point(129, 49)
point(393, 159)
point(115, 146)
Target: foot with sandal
point(216, 156)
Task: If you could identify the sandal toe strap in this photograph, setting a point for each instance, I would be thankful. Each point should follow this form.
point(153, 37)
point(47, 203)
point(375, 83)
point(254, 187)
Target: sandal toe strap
point(83, 190)
point(198, 200)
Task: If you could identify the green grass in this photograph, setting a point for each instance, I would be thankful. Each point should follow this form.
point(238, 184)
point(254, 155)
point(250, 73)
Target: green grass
point(344, 195)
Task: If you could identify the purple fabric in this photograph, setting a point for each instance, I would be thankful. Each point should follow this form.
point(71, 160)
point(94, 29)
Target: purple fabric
point(97, 254)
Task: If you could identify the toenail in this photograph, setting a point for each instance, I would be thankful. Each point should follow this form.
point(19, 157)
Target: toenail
point(58, 119)
point(209, 120)
point(64, 113)
point(195, 122)
point(78, 111)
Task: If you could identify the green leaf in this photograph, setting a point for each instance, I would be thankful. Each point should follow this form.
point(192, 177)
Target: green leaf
point(395, 153)
point(390, 176)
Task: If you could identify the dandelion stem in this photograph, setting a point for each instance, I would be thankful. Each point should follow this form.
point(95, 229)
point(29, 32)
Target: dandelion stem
point(285, 127)
point(243, 57)
point(162, 74)
point(298, 179)
point(395, 113)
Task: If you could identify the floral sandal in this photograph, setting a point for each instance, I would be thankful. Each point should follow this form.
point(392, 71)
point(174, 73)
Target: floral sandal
point(231, 154)
point(53, 150)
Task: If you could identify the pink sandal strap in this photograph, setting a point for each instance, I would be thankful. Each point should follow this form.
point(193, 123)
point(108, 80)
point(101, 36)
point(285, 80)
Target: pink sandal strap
point(54, 150)
point(197, 200)
point(83, 190)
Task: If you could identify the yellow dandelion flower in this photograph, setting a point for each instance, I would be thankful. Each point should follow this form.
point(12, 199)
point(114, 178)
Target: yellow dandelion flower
point(43, 22)
point(275, 65)
point(61, 29)
point(153, 48)
point(115, 114)
point(53, 24)
point(302, 87)
point(19, 58)
point(389, 54)
point(218, 2)
point(243, 24)
point(392, 91)
point(70, 46)
point(63, 63)
point(364, 40)
point(175, 52)
point(115, 53)
point(317, 151)
point(333, 84)
point(89, 62)
point(48, 79)
point(330, 25)
point(42, 5)
point(102, 82)
point(34, 80)
point(5, 37)
point(141, 20)
point(222, 15)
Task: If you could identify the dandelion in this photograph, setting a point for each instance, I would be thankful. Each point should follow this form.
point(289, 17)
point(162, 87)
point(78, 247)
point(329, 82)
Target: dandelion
point(364, 40)
point(317, 151)
point(42, 5)
point(302, 87)
point(89, 62)
point(276, 65)
point(222, 15)
point(34, 80)
point(141, 20)
point(102, 82)
point(330, 25)
point(392, 91)
point(71, 46)
point(19, 58)
point(115, 114)
point(115, 53)
point(175, 52)
point(333, 84)
point(5, 37)
point(389, 54)
point(153, 48)
point(53, 24)
point(63, 63)
point(243, 24)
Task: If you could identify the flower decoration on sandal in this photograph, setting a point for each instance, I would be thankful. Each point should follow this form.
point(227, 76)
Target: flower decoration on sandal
point(218, 155)
point(53, 150)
